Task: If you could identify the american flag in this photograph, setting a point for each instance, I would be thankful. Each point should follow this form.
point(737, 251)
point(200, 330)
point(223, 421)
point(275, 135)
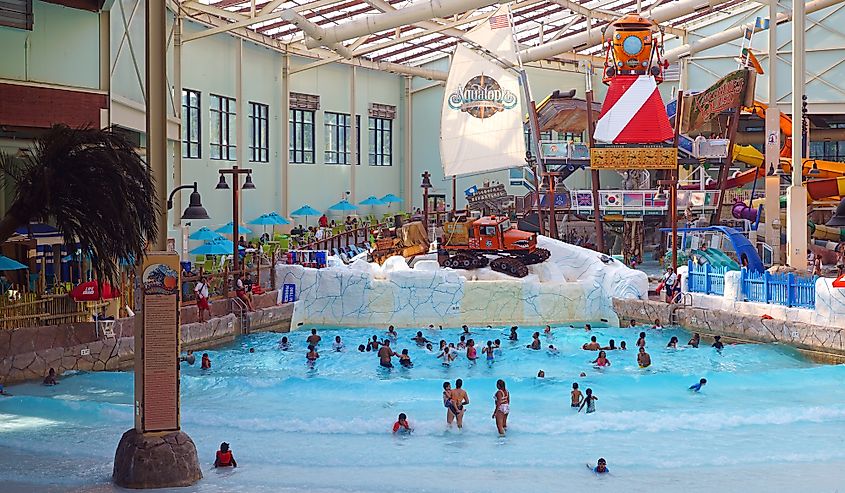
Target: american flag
point(499, 22)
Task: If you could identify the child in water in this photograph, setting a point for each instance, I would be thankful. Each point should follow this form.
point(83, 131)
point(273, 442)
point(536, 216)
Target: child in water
point(575, 395)
point(224, 457)
point(697, 387)
point(589, 402)
point(401, 425)
point(405, 359)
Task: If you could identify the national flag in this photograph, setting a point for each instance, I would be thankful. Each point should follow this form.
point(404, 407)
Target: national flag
point(761, 23)
point(748, 33)
point(499, 22)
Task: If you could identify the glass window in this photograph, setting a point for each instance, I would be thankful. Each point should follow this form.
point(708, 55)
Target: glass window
point(381, 142)
point(259, 141)
point(339, 138)
point(222, 136)
point(191, 124)
point(301, 130)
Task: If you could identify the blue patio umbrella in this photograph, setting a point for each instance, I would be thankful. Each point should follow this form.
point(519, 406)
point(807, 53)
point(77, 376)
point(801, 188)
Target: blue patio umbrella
point(373, 201)
point(204, 234)
point(230, 227)
point(7, 263)
point(269, 219)
point(391, 199)
point(306, 210)
point(279, 218)
point(219, 246)
point(343, 206)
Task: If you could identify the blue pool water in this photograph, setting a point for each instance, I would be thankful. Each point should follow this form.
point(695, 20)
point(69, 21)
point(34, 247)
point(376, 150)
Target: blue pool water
point(768, 420)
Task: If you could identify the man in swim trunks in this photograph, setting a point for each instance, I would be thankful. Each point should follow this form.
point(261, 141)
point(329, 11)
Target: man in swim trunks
point(718, 343)
point(697, 387)
point(643, 358)
point(575, 396)
point(313, 339)
point(592, 345)
point(385, 353)
point(460, 398)
point(535, 342)
point(402, 426)
point(419, 339)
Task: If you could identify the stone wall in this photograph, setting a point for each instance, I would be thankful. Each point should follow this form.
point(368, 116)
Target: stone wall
point(28, 353)
point(826, 340)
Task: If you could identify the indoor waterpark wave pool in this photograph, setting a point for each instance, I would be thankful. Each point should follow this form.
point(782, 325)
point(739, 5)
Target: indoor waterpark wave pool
point(768, 419)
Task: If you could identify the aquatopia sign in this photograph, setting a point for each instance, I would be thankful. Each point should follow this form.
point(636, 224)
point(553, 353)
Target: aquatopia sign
point(729, 92)
point(482, 97)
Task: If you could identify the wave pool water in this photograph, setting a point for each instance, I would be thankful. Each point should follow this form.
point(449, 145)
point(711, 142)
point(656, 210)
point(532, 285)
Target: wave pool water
point(768, 420)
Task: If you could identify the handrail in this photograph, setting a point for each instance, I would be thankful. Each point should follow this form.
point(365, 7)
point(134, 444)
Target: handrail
point(342, 240)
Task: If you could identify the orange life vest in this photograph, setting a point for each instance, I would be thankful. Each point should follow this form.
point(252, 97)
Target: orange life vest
point(224, 458)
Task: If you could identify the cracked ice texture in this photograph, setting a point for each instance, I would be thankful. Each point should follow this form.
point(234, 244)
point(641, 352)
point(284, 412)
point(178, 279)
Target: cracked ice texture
point(573, 285)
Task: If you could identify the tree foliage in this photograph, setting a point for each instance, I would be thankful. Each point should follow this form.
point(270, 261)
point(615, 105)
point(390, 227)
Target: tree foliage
point(93, 186)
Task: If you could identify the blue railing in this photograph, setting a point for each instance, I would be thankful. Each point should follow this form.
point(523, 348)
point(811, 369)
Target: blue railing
point(705, 278)
point(780, 289)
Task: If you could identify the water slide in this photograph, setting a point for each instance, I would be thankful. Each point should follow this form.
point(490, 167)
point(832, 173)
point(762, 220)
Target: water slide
point(743, 248)
point(716, 258)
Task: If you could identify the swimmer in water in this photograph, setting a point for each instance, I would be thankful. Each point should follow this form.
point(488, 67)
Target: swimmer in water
point(575, 396)
point(224, 457)
point(472, 353)
point(697, 387)
point(547, 331)
point(384, 355)
point(497, 344)
point(405, 359)
point(313, 339)
point(632, 323)
point(673, 343)
point(643, 359)
point(592, 345)
point(718, 343)
point(641, 340)
point(541, 374)
point(553, 349)
point(402, 426)
point(535, 342)
point(602, 360)
point(205, 362)
point(601, 467)
point(466, 331)
point(284, 345)
point(361, 348)
point(587, 328)
point(429, 348)
point(460, 398)
point(488, 351)
point(373, 344)
point(623, 346)
point(463, 342)
point(657, 324)
point(419, 339)
point(502, 407)
point(589, 402)
point(695, 341)
point(611, 345)
point(337, 345)
point(391, 333)
point(513, 335)
point(312, 354)
point(447, 356)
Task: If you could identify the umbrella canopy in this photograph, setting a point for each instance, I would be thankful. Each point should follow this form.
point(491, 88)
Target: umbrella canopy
point(230, 227)
point(90, 291)
point(7, 263)
point(279, 218)
point(219, 246)
point(269, 219)
point(391, 199)
point(204, 234)
point(306, 210)
point(372, 200)
point(343, 205)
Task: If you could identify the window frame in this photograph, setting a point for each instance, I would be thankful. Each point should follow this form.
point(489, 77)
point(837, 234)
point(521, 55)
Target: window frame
point(187, 125)
point(337, 130)
point(222, 111)
point(378, 148)
point(259, 132)
point(297, 124)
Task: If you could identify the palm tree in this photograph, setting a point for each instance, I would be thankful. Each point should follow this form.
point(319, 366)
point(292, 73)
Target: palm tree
point(92, 185)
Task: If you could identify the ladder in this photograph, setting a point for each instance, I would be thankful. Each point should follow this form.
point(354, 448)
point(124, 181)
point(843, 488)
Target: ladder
point(239, 308)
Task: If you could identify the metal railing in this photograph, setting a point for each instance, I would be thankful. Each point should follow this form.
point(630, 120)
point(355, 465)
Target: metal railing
point(781, 289)
point(624, 202)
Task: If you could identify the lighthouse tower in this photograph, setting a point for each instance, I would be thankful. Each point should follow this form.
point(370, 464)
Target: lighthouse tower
point(633, 112)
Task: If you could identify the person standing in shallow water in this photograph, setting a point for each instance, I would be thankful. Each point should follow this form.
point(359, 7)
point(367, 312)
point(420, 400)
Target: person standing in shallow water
point(460, 398)
point(589, 402)
point(503, 407)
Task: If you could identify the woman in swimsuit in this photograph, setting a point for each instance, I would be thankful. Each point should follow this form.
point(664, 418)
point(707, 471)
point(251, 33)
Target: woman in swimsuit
point(472, 353)
point(602, 360)
point(589, 401)
point(488, 351)
point(503, 407)
point(673, 343)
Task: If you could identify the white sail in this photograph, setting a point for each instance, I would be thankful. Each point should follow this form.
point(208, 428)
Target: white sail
point(481, 120)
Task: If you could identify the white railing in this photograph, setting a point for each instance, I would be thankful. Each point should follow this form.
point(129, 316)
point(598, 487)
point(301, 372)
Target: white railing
point(638, 202)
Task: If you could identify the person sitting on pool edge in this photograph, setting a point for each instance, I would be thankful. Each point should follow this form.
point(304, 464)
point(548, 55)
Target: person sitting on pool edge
point(643, 358)
point(402, 426)
point(224, 457)
point(592, 345)
point(697, 387)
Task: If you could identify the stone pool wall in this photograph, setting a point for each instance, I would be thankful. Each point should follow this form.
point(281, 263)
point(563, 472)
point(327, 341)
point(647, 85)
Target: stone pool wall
point(825, 342)
point(28, 353)
point(574, 285)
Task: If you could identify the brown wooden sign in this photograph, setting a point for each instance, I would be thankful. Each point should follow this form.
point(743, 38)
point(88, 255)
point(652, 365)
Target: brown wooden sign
point(633, 157)
point(159, 400)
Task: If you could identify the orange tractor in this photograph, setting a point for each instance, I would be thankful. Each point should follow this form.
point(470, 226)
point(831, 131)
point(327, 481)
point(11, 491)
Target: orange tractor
point(466, 245)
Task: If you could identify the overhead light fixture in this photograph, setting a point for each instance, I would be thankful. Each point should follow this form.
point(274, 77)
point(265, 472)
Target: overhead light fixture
point(815, 169)
point(248, 184)
point(195, 210)
point(222, 185)
point(660, 195)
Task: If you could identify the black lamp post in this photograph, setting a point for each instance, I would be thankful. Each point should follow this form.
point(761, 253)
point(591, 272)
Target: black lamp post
point(248, 185)
point(425, 185)
point(195, 210)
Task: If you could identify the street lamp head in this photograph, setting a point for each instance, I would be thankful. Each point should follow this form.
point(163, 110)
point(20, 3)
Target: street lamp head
point(838, 218)
point(248, 184)
point(195, 210)
point(815, 169)
point(779, 172)
point(660, 195)
point(426, 180)
point(222, 185)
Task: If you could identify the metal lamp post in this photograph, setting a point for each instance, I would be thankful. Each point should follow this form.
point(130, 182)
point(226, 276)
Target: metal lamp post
point(425, 185)
point(195, 210)
point(248, 185)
